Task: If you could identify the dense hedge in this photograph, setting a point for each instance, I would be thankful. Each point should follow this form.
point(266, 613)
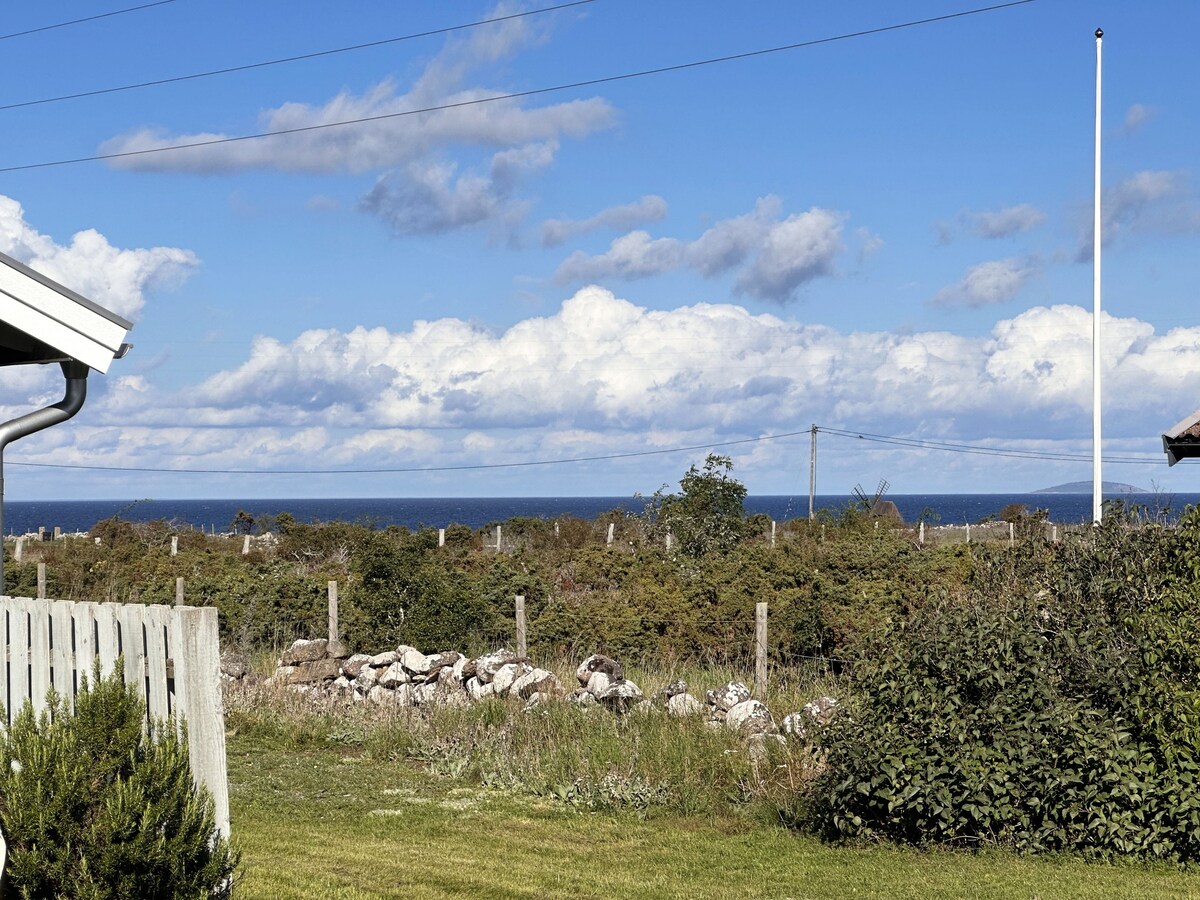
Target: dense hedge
point(1055, 707)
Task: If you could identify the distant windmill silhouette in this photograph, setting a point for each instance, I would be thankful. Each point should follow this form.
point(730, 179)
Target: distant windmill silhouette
point(876, 505)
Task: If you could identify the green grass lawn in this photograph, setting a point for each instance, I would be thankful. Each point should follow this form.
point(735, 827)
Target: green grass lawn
point(332, 823)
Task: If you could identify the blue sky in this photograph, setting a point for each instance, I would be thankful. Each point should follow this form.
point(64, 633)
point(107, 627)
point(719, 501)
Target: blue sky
point(886, 234)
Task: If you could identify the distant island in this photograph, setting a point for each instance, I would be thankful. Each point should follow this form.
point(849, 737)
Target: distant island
point(1085, 487)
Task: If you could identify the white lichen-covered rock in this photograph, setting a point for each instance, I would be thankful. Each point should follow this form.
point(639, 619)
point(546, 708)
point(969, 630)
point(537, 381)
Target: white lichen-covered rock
point(352, 666)
point(597, 662)
point(821, 710)
point(487, 665)
point(598, 683)
point(394, 676)
point(281, 676)
point(728, 696)
point(536, 681)
point(684, 705)
point(477, 690)
point(405, 694)
point(582, 697)
point(341, 686)
point(674, 689)
point(620, 696)
point(382, 696)
point(304, 651)
point(457, 669)
point(422, 694)
point(750, 717)
point(414, 661)
point(507, 675)
point(366, 679)
point(385, 659)
point(796, 725)
point(234, 666)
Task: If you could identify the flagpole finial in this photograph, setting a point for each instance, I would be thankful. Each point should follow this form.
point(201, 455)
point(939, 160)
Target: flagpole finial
point(1099, 33)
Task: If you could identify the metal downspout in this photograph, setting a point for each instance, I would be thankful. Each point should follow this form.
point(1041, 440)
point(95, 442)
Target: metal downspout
point(76, 374)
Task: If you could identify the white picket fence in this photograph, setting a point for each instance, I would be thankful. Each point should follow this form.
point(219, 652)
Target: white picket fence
point(170, 654)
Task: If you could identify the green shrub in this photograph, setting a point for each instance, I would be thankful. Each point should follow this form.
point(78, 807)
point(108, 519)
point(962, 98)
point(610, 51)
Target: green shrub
point(95, 805)
point(1018, 723)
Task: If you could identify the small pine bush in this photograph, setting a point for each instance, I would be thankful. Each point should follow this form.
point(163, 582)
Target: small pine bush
point(95, 805)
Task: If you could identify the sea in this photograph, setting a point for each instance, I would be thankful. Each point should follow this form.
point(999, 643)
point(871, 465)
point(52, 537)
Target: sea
point(25, 517)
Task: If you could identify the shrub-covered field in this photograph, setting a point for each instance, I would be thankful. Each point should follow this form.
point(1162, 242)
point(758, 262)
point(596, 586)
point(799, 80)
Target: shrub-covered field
point(1042, 696)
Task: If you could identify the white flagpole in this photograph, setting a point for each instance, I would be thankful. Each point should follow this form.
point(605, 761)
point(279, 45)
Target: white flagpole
point(1097, 475)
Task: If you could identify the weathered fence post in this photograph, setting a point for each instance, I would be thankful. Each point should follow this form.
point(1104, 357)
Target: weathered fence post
point(1010, 534)
point(1054, 534)
point(612, 527)
point(19, 550)
point(174, 545)
point(497, 538)
point(921, 534)
point(668, 538)
point(41, 581)
point(333, 613)
point(522, 645)
point(760, 650)
point(179, 591)
point(441, 537)
point(968, 532)
point(246, 546)
point(772, 534)
point(822, 532)
point(556, 529)
point(57, 532)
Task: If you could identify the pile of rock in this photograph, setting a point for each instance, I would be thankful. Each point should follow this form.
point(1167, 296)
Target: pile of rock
point(406, 677)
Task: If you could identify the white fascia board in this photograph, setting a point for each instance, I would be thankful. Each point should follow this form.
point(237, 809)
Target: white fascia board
point(1183, 425)
point(58, 316)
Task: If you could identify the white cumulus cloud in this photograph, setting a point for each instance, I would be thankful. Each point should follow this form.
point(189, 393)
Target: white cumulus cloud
point(988, 283)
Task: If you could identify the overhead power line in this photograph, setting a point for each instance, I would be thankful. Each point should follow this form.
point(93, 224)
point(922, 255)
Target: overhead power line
point(516, 95)
point(910, 443)
point(289, 59)
point(115, 12)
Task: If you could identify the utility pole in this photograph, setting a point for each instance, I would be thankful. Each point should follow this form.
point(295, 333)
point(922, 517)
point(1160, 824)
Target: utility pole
point(812, 472)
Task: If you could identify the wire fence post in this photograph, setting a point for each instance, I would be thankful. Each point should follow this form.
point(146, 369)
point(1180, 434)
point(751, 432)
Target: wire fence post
point(41, 581)
point(612, 527)
point(179, 591)
point(246, 546)
point(19, 550)
point(772, 534)
point(441, 537)
point(760, 650)
point(174, 545)
point(333, 613)
point(497, 538)
point(921, 534)
point(1011, 532)
point(522, 646)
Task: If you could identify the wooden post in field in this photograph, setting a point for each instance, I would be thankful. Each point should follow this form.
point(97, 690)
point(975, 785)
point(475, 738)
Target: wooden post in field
point(179, 592)
point(556, 529)
point(497, 538)
point(921, 534)
point(57, 532)
point(246, 546)
point(174, 545)
point(441, 537)
point(1054, 534)
point(968, 532)
point(612, 527)
point(760, 650)
point(822, 532)
point(772, 534)
point(19, 550)
point(1010, 534)
point(41, 581)
point(668, 538)
point(522, 647)
point(333, 614)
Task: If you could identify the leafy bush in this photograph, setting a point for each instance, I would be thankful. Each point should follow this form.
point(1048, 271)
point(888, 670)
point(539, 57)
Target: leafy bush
point(1022, 721)
point(95, 805)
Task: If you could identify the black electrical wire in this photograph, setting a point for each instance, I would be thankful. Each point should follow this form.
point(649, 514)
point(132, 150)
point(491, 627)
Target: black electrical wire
point(516, 95)
point(288, 59)
point(115, 12)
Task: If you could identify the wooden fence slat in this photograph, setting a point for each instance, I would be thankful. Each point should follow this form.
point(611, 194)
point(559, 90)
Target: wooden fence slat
point(155, 620)
point(4, 657)
point(85, 642)
point(39, 655)
point(18, 654)
point(198, 669)
point(108, 641)
point(133, 645)
point(61, 664)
